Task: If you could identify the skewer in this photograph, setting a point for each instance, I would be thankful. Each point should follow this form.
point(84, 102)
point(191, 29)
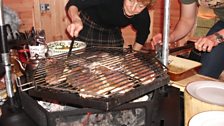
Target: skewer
point(71, 46)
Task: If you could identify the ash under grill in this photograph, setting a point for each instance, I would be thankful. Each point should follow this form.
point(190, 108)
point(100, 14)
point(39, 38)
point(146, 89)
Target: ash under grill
point(100, 79)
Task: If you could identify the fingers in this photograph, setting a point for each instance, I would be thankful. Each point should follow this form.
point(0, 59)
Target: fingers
point(152, 45)
point(74, 28)
point(70, 31)
point(204, 44)
point(76, 31)
point(201, 45)
point(157, 39)
point(209, 48)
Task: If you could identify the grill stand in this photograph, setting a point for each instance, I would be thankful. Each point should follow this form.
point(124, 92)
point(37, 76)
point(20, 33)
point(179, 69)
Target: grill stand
point(162, 110)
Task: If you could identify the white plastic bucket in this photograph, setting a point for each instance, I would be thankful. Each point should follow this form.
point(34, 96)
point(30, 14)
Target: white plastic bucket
point(38, 52)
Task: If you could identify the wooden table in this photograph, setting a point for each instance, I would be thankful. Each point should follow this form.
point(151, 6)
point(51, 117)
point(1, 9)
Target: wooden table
point(181, 84)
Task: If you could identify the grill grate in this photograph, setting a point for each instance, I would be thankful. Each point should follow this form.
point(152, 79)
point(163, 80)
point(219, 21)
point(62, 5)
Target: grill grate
point(102, 75)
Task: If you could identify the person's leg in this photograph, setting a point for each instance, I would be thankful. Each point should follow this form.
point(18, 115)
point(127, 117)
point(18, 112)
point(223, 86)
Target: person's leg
point(213, 62)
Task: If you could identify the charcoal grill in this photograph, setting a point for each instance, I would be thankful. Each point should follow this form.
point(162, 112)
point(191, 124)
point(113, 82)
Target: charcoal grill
point(98, 78)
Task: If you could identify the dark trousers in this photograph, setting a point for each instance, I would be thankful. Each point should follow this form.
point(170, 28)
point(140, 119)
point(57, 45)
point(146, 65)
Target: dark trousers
point(212, 62)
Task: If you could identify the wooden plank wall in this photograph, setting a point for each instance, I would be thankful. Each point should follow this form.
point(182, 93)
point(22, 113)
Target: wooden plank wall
point(24, 8)
point(159, 14)
point(53, 21)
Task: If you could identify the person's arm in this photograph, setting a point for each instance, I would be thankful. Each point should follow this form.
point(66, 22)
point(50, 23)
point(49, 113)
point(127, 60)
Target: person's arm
point(141, 24)
point(184, 25)
point(207, 43)
point(73, 7)
point(187, 20)
point(76, 23)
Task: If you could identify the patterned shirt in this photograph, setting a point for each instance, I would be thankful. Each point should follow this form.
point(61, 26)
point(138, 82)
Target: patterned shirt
point(216, 5)
point(212, 3)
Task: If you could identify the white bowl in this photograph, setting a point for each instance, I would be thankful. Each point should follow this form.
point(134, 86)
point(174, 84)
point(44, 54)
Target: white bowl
point(208, 118)
point(207, 91)
point(62, 46)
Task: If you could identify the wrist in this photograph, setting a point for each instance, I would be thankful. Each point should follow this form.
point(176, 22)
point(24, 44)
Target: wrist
point(137, 46)
point(172, 38)
point(219, 37)
point(75, 19)
point(73, 13)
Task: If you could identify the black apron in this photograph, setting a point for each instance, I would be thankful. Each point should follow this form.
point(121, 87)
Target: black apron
point(97, 35)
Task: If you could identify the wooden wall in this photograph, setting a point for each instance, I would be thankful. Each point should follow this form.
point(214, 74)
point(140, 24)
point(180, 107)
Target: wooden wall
point(25, 11)
point(54, 21)
point(159, 14)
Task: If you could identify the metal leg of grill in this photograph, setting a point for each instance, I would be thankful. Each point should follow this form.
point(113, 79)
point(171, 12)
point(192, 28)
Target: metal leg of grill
point(166, 108)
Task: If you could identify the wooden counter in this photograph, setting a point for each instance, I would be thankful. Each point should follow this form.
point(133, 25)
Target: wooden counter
point(181, 84)
point(184, 71)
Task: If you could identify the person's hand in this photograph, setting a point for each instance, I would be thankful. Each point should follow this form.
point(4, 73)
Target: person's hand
point(75, 27)
point(137, 46)
point(157, 39)
point(205, 43)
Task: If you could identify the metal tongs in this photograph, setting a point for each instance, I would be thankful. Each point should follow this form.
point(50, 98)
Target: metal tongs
point(158, 51)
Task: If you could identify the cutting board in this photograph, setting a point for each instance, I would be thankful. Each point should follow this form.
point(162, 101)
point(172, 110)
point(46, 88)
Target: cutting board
point(181, 68)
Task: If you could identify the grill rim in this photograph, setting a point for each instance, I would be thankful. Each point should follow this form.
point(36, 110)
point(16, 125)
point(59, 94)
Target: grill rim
point(99, 103)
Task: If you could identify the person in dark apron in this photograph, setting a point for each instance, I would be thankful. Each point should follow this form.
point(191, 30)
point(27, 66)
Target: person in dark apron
point(99, 22)
point(209, 50)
